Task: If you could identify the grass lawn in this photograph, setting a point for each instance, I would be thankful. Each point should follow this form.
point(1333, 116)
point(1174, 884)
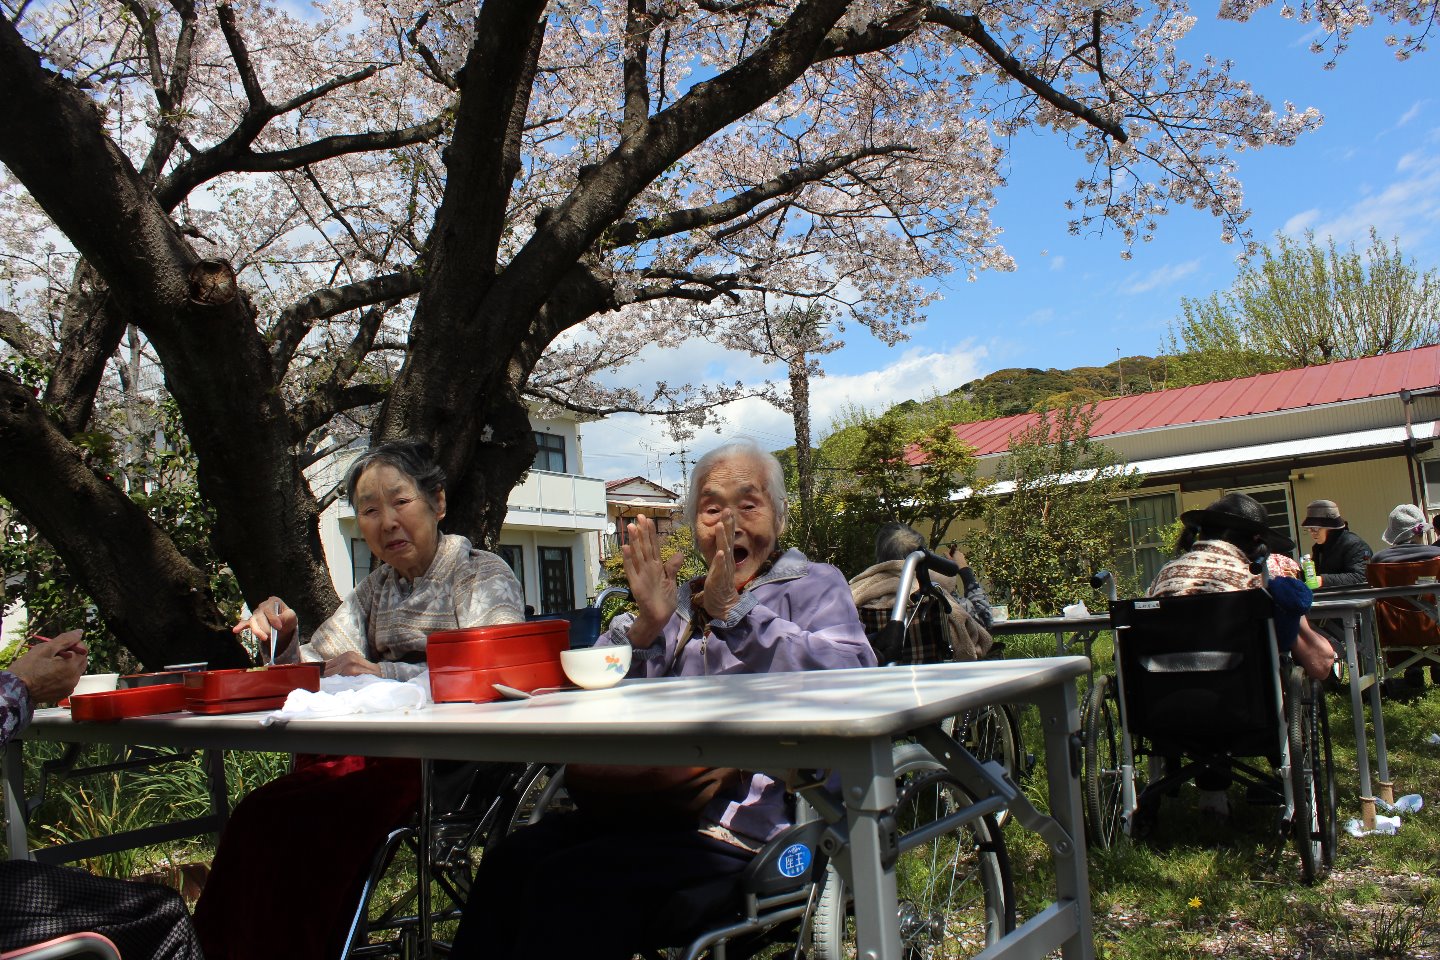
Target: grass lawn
point(1201, 888)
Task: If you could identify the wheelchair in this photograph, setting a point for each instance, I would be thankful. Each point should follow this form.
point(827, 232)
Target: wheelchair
point(1201, 687)
point(914, 631)
point(481, 803)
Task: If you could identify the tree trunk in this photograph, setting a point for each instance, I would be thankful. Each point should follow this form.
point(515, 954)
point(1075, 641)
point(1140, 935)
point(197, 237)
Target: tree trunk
point(151, 596)
point(804, 461)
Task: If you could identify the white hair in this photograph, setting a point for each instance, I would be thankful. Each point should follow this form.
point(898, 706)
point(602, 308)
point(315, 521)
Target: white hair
point(774, 475)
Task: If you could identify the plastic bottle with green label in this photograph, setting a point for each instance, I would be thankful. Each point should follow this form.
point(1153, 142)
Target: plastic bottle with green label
point(1307, 565)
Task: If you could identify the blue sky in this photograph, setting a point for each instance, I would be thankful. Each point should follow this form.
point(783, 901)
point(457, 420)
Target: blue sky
point(1073, 301)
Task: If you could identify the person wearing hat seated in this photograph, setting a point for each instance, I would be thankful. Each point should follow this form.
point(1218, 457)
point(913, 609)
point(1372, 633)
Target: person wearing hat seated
point(1220, 544)
point(1339, 553)
point(1407, 558)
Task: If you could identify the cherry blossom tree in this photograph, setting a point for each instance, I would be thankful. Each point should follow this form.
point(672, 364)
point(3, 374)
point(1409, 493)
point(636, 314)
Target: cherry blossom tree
point(414, 217)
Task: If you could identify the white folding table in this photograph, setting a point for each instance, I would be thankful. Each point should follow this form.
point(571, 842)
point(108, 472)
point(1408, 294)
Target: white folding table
point(840, 720)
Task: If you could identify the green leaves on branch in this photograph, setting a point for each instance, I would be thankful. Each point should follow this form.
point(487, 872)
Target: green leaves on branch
point(1299, 304)
point(1041, 541)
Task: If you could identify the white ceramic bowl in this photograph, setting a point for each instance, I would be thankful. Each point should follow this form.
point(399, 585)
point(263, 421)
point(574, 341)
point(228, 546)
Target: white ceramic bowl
point(96, 683)
point(595, 668)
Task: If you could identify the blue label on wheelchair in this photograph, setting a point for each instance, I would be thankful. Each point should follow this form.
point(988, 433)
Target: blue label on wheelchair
point(795, 860)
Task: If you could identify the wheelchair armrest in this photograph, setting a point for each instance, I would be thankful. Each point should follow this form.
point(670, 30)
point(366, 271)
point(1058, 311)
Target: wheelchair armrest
point(789, 861)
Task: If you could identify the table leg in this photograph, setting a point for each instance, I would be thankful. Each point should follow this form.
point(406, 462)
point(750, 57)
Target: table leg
point(1371, 639)
point(16, 834)
point(869, 786)
point(1357, 708)
point(422, 857)
point(1060, 720)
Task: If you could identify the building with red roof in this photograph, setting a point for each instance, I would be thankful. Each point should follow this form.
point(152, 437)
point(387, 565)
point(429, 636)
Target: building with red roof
point(1359, 432)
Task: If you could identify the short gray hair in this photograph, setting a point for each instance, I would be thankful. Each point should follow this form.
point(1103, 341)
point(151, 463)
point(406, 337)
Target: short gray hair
point(414, 458)
point(896, 541)
point(773, 472)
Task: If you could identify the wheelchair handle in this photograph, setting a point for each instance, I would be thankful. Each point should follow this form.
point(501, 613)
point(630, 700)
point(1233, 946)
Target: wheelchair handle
point(1104, 579)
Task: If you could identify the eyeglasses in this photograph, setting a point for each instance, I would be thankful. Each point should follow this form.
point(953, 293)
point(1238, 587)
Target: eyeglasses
point(1311, 529)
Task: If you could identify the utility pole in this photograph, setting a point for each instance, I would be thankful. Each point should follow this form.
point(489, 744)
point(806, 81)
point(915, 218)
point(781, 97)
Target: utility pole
point(684, 463)
point(1120, 370)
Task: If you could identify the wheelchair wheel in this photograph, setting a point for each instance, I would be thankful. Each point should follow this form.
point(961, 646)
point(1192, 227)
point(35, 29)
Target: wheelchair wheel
point(1308, 825)
point(956, 894)
point(540, 790)
point(1329, 792)
point(1104, 775)
point(992, 733)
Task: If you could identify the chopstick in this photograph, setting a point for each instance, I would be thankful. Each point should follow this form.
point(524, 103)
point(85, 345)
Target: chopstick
point(272, 634)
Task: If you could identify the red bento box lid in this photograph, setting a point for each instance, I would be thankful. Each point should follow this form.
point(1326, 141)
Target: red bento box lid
point(555, 632)
point(130, 702)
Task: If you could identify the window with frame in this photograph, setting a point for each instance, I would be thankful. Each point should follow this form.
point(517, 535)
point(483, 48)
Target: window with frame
point(1279, 514)
point(361, 561)
point(549, 452)
point(1431, 471)
point(1147, 520)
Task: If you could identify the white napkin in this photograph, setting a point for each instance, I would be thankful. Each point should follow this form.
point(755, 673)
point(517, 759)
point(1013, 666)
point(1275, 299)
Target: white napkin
point(339, 696)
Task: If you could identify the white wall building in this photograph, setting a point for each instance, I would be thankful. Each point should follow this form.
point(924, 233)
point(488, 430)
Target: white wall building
point(550, 536)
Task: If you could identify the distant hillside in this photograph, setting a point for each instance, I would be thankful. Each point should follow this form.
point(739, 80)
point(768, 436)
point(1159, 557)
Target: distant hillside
point(1021, 389)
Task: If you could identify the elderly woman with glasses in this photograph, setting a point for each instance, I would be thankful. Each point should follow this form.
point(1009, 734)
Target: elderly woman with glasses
point(295, 853)
point(648, 868)
point(1339, 553)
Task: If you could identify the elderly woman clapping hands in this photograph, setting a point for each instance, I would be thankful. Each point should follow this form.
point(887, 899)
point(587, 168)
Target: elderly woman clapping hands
point(757, 609)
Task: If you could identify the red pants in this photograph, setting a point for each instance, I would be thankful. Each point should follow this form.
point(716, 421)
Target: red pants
point(294, 856)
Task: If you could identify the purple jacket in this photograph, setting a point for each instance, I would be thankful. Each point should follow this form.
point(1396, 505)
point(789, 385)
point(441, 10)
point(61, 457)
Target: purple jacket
point(798, 616)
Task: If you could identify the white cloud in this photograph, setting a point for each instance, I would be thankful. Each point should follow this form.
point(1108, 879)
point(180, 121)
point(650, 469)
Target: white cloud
point(1164, 276)
point(1300, 222)
point(1407, 208)
point(631, 445)
point(1412, 113)
point(1057, 262)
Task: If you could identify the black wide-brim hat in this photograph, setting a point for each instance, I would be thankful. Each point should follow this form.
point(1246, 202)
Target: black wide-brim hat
point(1227, 512)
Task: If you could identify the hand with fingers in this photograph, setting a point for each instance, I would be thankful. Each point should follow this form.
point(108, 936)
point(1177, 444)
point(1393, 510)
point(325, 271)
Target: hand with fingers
point(351, 664)
point(721, 592)
point(50, 668)
point(272, 615)
point(652, 580)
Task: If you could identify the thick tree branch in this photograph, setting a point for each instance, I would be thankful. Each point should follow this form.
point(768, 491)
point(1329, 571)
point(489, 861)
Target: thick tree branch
point(638, 25)
point(320, 405)
point(296, 320)
point(154, 600)
point(432, 65)
point(90, 331)
point(16, 332)
point(233, 155)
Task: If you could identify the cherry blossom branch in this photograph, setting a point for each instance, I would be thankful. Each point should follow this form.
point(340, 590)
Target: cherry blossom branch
point(296, 320)
point(432, 66)
point(330, 396)
point(169, 92)
point(234, 153)
point(679, 221)
point(970, 28)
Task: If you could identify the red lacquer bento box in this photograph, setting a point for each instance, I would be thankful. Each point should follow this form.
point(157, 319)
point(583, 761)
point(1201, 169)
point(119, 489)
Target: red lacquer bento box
point(466, 664)
point(129, 702)
point(238, 691)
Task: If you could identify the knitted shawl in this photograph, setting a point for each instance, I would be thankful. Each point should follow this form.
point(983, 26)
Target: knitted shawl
point(387, 618)
point(875, 588)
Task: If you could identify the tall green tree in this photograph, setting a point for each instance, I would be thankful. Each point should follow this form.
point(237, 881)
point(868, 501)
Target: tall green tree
point(1299, 303)
point(903, 465)
point(1060, 523)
